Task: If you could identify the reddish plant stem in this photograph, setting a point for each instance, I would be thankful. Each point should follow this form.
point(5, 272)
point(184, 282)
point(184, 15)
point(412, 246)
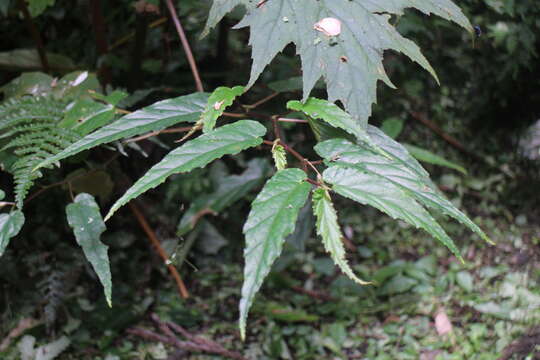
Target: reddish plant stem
point(66, 181)
point(277, 131)
point(300, 121)
point(182, 290)
point(185, 45)
point(154, 133)
point(305, 162)
point(36, 35)
point(262, 101)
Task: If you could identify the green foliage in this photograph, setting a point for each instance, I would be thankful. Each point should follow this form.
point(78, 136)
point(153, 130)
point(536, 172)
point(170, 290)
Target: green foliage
point(349, 59)
point(272, 217)
point(339, 41)
point(31, 125)
point(279, 155)
point(400, 170)
point(229, 190)
point(370, 189)
point(228, 139)
point(152, 118)
point(10, 225)
point(37, 7)
point(431, 158)
point(85, 219)
point(218, 101)
point(333, 115)
point(328, 229)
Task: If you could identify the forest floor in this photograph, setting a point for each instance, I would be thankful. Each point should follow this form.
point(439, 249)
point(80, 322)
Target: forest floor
point(425, 304)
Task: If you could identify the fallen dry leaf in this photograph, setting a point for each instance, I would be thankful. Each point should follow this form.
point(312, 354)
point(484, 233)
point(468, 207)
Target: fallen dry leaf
point(442, 323)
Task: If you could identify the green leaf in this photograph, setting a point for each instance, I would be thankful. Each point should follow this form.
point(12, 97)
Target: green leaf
point(218, 101)
point(333, 115)
point(328, 229)
point(398, 284)
point(370, 189)
point(280, 156)
point(351, 62)
point(392, 127)
point(10, 225)
point(287, 314)
point(465, 280)
point(228, 139)
point(29, 83)
point(400, 168)
point(219, 9)
point(37, 7)
point(113, 98)
point(230, 189)
point(155, 117)
point(292, 84)
point(431, 158)
point(272, 217)
point(84, 217)
point(86, 115)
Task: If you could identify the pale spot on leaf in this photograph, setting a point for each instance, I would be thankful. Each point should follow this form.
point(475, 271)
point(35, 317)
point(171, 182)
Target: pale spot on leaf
point(329, 26)
point(218, 104)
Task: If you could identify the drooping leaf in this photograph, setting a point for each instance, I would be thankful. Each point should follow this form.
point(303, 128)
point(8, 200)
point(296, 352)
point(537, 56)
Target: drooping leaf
point(157, 116)
point(280, 156)
point(84, 217)
point(10, 225)
point(400, 168)
point(328, 229)
point(431, 158)
point(228, 139)
point(332, 114)
point(370, 189)
point(230, 189)
point(218, 101)
point(350, 60)
point(272, 217)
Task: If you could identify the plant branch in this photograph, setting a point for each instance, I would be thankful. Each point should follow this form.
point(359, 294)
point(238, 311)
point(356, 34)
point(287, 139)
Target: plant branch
point(299, 121)
point(154, 240)
point(260, 102)
point(66, 181)
point(305, 162)
point(36, 35)
point(195, 343)
point(185, 44)
point(123, 40)
point(155, 133)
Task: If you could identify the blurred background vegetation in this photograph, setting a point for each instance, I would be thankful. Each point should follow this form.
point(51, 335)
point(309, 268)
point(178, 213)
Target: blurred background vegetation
point(481, 117)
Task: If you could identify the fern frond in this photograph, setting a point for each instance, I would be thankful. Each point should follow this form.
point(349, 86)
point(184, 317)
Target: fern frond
point(30, 109)
point(30, 125)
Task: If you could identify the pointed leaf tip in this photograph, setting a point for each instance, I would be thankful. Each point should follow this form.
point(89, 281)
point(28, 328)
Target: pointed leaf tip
point(84, 218)
point(226, 140)
point(272, 218)
point(328, 229)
